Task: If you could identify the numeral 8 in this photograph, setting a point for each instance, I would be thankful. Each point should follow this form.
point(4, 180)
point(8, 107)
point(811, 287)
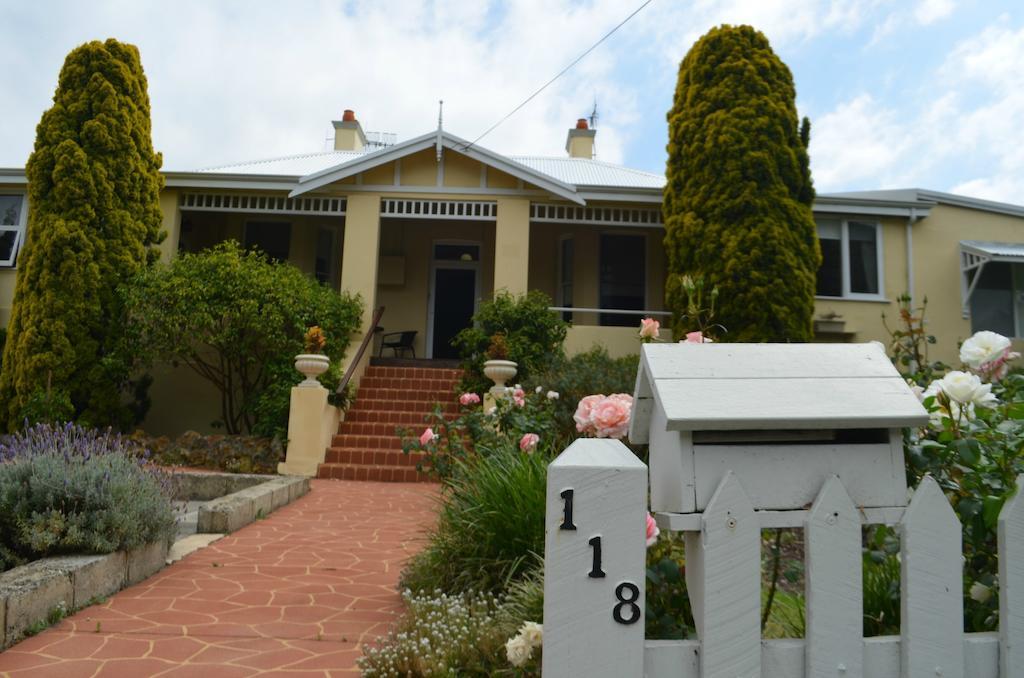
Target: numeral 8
point(630, 603)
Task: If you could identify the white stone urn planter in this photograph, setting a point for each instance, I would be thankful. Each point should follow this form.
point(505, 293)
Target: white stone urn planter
point(312, 365)
point(499, 371)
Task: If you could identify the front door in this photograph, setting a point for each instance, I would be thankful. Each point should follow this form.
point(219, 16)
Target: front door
point(453, 295)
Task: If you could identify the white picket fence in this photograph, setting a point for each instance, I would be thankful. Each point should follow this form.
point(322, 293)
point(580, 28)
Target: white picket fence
point(596, 497)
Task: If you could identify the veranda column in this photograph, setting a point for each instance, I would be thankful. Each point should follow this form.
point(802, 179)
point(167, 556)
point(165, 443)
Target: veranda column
point(359, 261)
point(512, 245)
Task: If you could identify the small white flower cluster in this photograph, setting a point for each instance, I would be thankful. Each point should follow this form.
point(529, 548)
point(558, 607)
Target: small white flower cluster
point(963, 392)
point(551, 395)
point(519, 649)
point(437, 630)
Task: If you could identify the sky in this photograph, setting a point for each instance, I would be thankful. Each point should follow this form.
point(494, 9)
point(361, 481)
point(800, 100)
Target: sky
point(900, 93)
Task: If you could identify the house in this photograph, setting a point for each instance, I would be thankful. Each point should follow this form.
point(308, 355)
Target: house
point(429, 226)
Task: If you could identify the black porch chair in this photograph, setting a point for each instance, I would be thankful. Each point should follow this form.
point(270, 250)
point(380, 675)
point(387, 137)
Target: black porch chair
point(403, 343)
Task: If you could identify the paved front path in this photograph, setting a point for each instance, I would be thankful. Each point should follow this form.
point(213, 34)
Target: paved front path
point(292, 595)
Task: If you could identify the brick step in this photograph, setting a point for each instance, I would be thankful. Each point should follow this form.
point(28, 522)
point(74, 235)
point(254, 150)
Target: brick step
point(386, 442)
point(410, 384)
point(385, 474)
point(412, 373)
point(428, 395)
point(344, 455)
point(379, 428)
point(391, 418)
point(407, 406)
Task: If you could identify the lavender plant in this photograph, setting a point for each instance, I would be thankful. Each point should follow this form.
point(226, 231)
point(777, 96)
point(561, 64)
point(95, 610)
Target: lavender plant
point(69, 489)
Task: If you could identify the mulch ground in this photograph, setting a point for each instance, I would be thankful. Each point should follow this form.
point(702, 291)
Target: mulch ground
point(295, 594)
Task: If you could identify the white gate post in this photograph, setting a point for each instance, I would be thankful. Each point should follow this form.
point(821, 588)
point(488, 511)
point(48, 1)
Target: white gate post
point(595, 562)
point(1011, 585)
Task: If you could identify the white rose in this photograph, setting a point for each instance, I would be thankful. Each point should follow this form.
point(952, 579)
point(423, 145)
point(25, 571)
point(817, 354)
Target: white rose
point(955, 410)
point(552, 395)
point(966, 388)
point(980, 592)
point(538, 389)
point(518, 651)
point(983, 347)
point(533, 633)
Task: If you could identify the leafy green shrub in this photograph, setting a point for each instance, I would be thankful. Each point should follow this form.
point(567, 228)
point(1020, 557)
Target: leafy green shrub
point(67, 489)
point(881, 582)
point(490, 527)
point(583, 374)
point(234, 454)
point(479, 432)
point(667, 615)
point(238, 320)
point(534, 336)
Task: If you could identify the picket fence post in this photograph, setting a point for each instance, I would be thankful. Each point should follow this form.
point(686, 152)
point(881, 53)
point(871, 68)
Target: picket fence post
point(723, 577)
point(595, 562)
point(1011, 586)
point(931, 582)
point(834, 585)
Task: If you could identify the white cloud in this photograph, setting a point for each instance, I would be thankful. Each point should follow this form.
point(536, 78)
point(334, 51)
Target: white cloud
point(929, 11)
point(855, 142)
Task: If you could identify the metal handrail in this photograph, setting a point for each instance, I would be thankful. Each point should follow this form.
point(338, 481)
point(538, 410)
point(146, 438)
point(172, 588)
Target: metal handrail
point(619, 311)
point(367, 338)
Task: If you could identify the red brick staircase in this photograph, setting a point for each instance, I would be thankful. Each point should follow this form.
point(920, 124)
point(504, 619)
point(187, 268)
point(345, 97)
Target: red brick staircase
point(366, 446)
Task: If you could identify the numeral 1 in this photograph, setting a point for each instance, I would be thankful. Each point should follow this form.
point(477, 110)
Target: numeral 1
point(595, 569)
point(567, 523)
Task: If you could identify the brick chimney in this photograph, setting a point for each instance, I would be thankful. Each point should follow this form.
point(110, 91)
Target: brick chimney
point(580, 142)
point(348, 133)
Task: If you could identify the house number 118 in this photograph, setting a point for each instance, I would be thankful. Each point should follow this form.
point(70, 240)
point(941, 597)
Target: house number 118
point(626, 611)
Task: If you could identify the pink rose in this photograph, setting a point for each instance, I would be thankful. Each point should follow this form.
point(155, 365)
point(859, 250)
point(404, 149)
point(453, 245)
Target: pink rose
point(611, 416)
point(649, 329)
point(583, 413)
point(468, 399)
point(652, 531)
point(519, 397)
point(428, 436)
point(528, 443)
point(994, 370)
point(695, 338)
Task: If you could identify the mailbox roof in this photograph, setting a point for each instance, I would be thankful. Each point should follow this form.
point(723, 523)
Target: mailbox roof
point(706, 387)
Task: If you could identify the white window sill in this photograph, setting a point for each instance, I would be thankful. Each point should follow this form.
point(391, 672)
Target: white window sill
point(870, 299)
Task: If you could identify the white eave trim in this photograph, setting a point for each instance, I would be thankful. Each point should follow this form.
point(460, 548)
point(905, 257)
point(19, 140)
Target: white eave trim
point(330, 175)
point(872, 208)
point(13, 175)
point(238, 181)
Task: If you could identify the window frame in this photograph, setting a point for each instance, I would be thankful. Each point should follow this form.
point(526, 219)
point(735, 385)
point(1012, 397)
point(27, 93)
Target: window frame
point(18, 229)
point(844, 259)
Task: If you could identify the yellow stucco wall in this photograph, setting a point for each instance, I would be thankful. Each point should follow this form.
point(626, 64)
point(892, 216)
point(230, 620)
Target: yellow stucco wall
point(936, 255)
point(7, 278)
point(412, 240)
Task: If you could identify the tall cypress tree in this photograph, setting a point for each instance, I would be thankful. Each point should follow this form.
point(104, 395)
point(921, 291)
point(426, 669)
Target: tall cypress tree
point(737, 203)
point(94, 221)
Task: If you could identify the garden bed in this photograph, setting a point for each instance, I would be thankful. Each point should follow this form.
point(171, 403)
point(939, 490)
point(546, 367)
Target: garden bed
point(38, 594)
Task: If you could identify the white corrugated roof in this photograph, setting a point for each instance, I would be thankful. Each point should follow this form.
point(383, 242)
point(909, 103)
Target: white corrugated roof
point(573, 171)
point(1003, 250)
point(290, 165)
point(586, 172)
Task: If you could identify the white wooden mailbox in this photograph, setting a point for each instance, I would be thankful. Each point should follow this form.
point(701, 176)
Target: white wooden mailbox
point(782, 417)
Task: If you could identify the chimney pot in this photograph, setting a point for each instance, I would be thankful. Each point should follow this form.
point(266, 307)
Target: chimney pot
point(348, 116)
point(582, 124)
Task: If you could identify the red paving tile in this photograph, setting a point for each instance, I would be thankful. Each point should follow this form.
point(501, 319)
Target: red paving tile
point(295, 594)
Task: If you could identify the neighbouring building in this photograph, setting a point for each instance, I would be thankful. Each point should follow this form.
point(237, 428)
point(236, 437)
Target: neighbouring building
point(430, 226)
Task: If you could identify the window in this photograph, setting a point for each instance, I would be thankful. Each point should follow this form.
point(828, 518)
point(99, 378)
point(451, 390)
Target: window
point(623, 277)
point(326, 259)
point(272, 237)
point(12, 227)
point(997, 302)
point(851, 259)
point(565, 272)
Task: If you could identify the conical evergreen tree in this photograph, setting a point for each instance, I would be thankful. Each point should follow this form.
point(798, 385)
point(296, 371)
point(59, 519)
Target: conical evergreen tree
point(94, 221)
point(737, 203)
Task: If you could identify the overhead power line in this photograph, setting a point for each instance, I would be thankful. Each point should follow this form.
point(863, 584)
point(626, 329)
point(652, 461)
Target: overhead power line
point(561, 72)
